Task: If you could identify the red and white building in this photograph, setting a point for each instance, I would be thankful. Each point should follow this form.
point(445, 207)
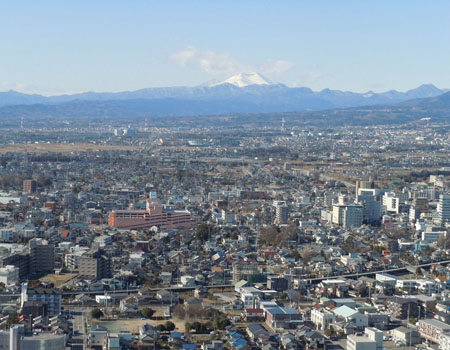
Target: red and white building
point(154, 215)
point(253, 315)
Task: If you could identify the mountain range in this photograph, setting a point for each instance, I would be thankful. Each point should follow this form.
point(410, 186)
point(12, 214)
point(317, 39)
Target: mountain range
point(245, 93)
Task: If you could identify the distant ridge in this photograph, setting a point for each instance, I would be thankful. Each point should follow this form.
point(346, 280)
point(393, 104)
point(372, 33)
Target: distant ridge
point(248, 93)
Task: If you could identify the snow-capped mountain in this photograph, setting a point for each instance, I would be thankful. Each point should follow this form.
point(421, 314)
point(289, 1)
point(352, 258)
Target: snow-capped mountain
point(245, 79)
point(242, 93)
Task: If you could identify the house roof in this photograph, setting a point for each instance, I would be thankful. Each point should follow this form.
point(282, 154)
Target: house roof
point(344, 311)
point(241, 283)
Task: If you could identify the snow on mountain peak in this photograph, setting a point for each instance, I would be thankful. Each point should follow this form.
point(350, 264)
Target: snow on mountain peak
point(245, 79)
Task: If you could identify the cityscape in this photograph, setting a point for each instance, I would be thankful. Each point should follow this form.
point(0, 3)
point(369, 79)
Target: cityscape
point(247, 212)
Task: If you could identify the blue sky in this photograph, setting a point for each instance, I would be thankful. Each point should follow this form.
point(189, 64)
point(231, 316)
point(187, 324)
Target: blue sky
point(55, 47)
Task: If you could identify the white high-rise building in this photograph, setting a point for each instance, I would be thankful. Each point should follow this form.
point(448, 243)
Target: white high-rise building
point(443, 208)
point(348, 215)
point(371, 207)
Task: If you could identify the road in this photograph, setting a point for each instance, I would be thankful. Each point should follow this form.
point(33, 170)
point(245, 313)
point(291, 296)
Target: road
point(79, 338)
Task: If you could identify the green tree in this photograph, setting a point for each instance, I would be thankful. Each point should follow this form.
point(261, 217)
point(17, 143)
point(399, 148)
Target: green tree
point(147, 312)
point(202, 233)
point(220, 321)
point(170, 326)
point(161, 328)
point(96, 313)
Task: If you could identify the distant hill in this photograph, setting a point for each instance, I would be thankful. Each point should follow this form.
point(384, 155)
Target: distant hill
point(251, 91)
point(242, 94)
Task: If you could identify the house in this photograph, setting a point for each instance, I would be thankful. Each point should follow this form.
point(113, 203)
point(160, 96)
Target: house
point(277, 283)
point(282, 317)
point(98, 337)
point(255, 331)
point(165, 296)
point(350, 315)
point(147, 330)
point(405, 335)
point(213, 345)
point(253, 315)
point(311, 337)
point(241, 284)
point(129, 305)
point(322, 318)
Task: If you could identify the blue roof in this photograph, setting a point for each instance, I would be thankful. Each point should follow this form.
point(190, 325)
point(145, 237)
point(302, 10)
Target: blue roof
point(189, 346)
point(176, 335)
point(240, 341)
point(281, 311)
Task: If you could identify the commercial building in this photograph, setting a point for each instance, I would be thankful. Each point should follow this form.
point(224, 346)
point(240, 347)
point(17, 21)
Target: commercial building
point(154, 215)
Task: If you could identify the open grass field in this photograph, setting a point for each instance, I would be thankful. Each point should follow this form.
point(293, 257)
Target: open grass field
point(63, 147)
point(132, 324)
point(58, 280)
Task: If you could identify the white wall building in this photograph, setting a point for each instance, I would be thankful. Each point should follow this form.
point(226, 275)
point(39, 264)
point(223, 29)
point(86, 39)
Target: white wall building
point(9, 275)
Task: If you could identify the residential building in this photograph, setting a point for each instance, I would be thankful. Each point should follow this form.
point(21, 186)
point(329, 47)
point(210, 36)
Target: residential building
point(95, 265)
point(9, 274)
point(29, 186)
point(42, 257)
point(322, 318)
point(443, 208)
point(432, 329)
point(49, 296)
point(402, 308)
point(348, 215)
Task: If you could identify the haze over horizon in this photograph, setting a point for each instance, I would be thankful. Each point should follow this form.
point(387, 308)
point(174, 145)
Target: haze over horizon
point(68, 48)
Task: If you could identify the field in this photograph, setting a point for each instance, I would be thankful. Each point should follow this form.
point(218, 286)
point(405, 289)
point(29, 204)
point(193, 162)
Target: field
point(63, 147)
point(132, 324)
point(59, 280)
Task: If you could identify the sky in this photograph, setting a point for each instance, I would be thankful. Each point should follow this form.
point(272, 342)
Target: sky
point(56, 47)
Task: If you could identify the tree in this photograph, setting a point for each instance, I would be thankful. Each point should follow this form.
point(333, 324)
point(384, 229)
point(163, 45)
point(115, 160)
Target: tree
point(170, 326)
point(179, 311)
point(161, 328)
point(306, 254)
point(220, 321)
point(202, 233)
point(147, 312)
point(329, 332)
point(96, 313)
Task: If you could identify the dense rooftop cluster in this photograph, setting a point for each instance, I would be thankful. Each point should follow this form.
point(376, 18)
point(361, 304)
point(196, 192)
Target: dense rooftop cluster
point(290, 239)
